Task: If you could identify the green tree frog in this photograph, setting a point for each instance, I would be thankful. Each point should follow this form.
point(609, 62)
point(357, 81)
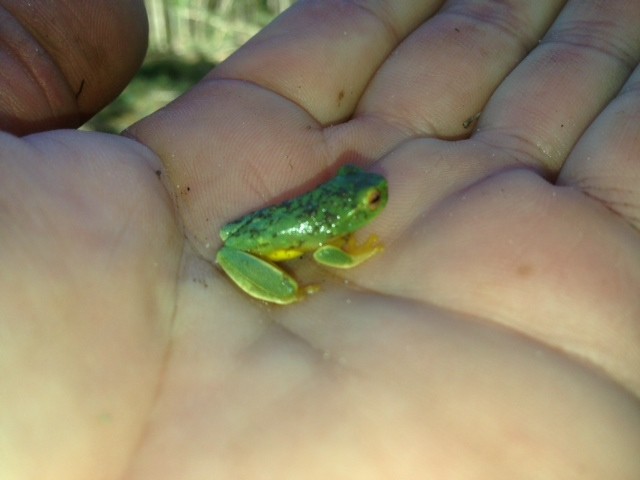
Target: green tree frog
point(321, 221)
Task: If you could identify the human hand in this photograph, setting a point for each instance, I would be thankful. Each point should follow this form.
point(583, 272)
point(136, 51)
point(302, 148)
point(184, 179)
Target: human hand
point(496, 336)
point(65, 60)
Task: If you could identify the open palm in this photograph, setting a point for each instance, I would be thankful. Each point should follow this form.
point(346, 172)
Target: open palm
point(497, 335)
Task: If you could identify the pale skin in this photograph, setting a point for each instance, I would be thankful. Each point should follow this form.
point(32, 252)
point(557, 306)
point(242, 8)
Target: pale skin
point(495, 337)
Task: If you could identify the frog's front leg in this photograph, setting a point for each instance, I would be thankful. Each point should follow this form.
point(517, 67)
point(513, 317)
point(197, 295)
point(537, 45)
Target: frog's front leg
point(348, 255)
point(257, 277)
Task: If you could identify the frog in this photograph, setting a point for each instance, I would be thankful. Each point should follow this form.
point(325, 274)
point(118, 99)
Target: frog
point(321, 222)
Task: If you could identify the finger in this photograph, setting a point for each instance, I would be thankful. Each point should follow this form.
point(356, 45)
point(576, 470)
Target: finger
point(542, 108)
point(322, 54)
point(605, 163)
point(62, 61)
point(444, 72)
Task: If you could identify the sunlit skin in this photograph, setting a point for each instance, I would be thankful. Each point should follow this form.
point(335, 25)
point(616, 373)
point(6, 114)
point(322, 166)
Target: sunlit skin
point(496, 337)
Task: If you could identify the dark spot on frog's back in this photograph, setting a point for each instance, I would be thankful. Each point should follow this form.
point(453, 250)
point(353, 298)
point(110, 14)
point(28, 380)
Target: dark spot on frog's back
point(340, 97)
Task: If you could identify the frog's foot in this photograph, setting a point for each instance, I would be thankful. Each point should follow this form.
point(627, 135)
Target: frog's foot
point(350, 255)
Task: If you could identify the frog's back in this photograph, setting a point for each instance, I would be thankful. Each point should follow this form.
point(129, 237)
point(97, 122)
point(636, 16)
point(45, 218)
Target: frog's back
point(332, 210)
point(264, 231)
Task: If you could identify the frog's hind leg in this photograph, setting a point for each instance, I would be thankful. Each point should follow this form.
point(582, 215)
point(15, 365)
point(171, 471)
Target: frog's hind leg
point(350, 254)
point(258, 278)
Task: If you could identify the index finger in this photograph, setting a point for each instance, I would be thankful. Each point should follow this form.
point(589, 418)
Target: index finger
point(321, 55)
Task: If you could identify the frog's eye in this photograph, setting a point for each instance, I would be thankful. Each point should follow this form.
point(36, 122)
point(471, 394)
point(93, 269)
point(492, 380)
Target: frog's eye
point(373, 198)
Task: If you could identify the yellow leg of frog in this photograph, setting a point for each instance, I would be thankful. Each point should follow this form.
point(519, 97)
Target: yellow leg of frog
point(348, 255)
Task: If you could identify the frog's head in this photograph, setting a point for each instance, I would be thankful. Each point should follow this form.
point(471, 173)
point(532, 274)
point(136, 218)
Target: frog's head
point(369, 194)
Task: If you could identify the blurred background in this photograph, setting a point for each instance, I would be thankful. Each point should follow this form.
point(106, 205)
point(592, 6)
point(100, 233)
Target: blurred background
point(186, 39)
